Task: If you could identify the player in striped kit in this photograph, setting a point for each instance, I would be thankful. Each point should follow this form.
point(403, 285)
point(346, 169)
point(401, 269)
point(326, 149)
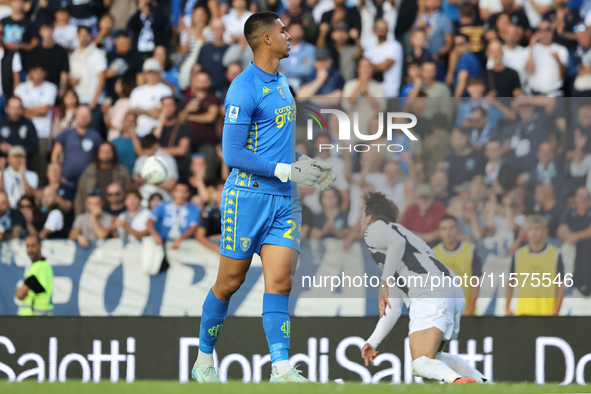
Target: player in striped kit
point(407, 264)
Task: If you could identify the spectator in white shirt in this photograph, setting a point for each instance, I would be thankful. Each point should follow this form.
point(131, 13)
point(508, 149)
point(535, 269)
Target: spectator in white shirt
point(386, 58)
point(15, 179)
point(87, 69)
point(234, 21)
point(146, 99)
point(64, 33)
point(38, 97)
point(547, 61)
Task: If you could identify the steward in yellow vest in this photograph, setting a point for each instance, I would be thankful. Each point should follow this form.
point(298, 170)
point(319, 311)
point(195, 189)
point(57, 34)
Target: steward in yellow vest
point(534, 272)
point(460, 257)
point(35, 293)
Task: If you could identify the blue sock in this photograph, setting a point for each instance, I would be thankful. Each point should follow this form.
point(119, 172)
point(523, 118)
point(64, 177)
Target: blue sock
point(212, 320)
point(277, 325)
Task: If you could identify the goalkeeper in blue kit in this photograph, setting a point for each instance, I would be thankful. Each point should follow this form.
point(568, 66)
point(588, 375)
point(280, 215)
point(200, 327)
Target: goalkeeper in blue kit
point(260, 207)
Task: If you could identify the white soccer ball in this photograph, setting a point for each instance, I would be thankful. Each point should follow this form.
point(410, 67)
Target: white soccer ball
point(154, 170)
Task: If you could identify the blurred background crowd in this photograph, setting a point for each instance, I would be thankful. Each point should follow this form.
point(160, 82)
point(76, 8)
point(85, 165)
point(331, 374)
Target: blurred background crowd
point(90, 88)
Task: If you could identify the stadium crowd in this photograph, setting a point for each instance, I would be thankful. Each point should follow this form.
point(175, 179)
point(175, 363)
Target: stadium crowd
point(90, 89)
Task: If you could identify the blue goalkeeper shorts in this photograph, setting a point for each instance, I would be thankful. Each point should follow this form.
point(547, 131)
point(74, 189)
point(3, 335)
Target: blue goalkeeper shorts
point(250, 220)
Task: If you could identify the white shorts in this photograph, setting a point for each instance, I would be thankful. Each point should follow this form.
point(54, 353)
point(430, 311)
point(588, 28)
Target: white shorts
point(443, 313)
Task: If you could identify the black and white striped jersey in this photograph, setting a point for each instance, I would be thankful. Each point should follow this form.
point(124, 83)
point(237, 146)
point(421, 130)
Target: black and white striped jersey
point(405, 259)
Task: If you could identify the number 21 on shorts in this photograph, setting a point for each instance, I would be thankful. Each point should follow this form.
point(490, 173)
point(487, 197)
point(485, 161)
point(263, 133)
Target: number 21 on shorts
point(293, 227)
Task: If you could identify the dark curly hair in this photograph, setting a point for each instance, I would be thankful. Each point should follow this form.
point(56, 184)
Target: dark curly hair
point(380, 207)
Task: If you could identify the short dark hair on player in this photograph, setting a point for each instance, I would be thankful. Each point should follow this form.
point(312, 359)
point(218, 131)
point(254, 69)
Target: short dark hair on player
point(254, 24)
point(449, 217)
point(380, 207)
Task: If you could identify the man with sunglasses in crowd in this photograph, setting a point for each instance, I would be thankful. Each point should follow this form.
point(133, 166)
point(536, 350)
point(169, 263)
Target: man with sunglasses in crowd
point(547, 62)
point(115, 200)
point(94, 223)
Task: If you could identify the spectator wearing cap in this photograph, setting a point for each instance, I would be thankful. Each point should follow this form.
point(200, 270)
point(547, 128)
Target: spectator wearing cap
point(38, 97)
point(87, 66)
point(466, 65)
point(16, 130)
point(94, 223)
point(12, 221)
point(325, 81)
point(146, 99)
point(104, 171)
point(16, 180)
point(200, 111)
point(174, 136)
point(422, 217)
point(211, 56)
point(386, 58)
point(149, 27)
point(124, 62)
point(78, 146)
point(300, 62)
point(52, 57)
point(464, 163)
point(500, 80)
point(547, 62)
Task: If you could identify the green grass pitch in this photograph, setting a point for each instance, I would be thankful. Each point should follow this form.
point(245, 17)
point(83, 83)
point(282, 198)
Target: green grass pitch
point(159, 387)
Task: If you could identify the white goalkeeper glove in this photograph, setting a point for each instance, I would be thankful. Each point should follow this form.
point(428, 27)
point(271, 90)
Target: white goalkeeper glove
point(328, 177)
point(303, 172)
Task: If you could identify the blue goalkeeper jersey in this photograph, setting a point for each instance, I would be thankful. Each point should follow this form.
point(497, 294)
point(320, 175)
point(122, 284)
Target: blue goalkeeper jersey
point(259, 114)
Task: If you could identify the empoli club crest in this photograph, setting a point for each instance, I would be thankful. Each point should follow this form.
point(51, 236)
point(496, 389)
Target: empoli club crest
point(245, 243)
point(281, 93)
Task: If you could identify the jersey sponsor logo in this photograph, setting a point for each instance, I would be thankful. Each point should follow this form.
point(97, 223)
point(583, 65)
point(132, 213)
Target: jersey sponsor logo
point(281, 92)
point(245, 243)
point(233, 114)
point(266, 90)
